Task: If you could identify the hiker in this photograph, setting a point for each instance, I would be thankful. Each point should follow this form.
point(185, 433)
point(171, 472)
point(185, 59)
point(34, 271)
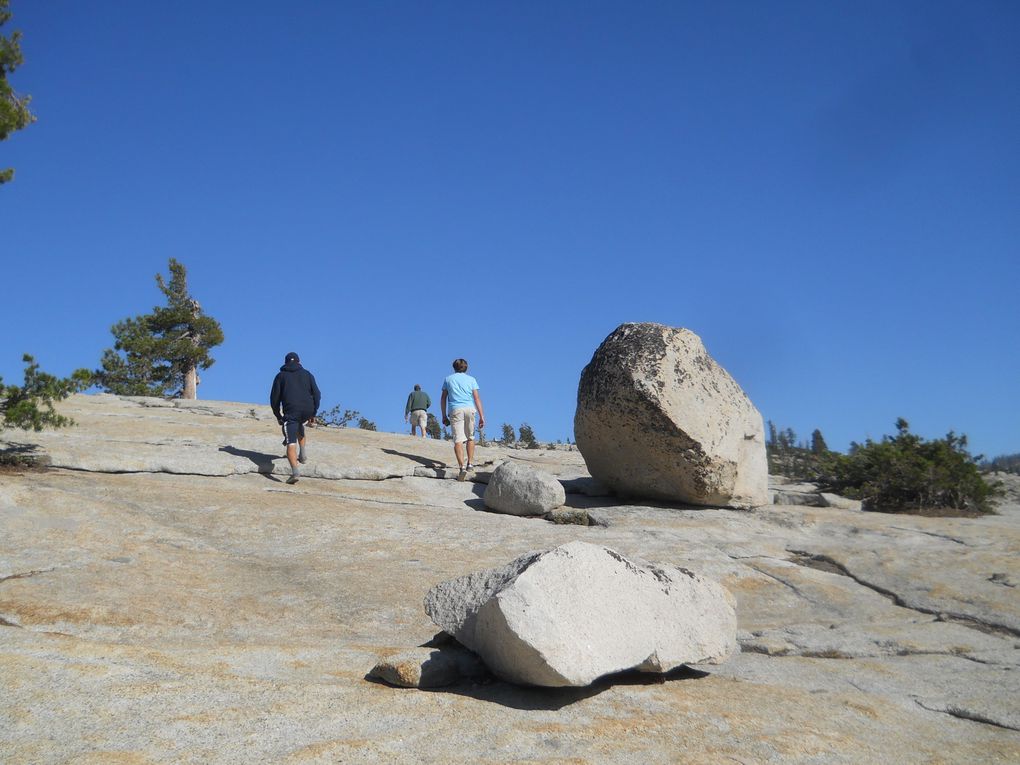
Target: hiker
point(460, 402)
point(294, 390)
point(416, 409)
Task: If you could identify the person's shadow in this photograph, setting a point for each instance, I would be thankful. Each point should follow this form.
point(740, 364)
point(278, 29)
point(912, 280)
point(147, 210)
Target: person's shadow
point(263, 462)
point(417, 458)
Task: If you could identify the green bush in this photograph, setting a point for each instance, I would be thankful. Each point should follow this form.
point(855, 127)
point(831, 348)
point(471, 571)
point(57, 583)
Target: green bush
point(906, 473)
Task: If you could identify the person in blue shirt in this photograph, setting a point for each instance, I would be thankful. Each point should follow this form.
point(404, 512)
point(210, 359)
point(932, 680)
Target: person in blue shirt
point(460, 403)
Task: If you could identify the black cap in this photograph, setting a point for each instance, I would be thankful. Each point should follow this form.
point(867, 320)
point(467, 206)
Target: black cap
point(291, 357)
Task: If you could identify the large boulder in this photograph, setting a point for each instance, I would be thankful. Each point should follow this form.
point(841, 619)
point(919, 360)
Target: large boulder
point(518, 489)
point(658, 418)
point(567, 616)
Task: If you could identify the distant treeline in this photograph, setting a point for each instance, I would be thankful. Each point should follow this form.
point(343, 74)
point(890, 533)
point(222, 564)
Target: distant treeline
point(1004, 463)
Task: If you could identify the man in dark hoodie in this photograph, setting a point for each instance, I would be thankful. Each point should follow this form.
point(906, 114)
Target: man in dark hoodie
point(294, 390)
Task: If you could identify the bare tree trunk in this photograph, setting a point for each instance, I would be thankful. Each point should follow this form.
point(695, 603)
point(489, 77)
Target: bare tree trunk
point(190, 383)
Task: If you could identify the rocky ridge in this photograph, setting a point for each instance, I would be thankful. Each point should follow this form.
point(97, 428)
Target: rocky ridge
point(164, 597)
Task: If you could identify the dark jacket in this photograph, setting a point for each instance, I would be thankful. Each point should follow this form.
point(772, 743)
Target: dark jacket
point(294, 388)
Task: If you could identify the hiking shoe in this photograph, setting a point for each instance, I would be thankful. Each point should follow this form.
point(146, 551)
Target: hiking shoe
point(293, 479)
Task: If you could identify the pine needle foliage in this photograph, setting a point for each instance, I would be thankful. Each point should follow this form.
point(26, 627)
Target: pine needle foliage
point(154, 354)
point(14, 113)
point(30, 406)
point(907, 473)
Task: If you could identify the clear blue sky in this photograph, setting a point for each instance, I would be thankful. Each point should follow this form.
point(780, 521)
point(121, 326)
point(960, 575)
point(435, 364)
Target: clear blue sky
point(828, 193)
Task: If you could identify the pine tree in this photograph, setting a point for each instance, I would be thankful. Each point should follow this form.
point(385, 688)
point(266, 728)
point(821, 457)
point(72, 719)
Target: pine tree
point(14, 113)
point(508, 438)
point(432, 426)
point(30, 406)
point(160, 353)
point(527, 436)
point(818, 445)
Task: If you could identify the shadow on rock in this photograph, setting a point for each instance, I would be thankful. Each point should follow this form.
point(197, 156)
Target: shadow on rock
point(416, 458)
point(263, 462)
point(20, 456)
point(552, 699)
point(478, 489)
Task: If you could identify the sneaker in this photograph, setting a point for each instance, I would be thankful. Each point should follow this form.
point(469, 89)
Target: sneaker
point(469, 467)
point(462, 475)
point(293, 479)
point(302, 459)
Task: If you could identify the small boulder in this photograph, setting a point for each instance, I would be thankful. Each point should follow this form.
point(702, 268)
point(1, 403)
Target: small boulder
point(567, 616)
point(518, 489)
point(569, 515)
point(657, 417)
point(840, 503)
point(428, 667)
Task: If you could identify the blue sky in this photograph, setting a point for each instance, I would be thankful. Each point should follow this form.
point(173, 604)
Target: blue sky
point(827, 193)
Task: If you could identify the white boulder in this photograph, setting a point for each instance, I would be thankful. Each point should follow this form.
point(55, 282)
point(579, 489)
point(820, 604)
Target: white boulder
point(657, 417)
point(567, 616)
point(518, 489)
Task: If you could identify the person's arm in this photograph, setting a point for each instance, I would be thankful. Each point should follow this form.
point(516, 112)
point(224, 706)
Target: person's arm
point(407, 406)
point(274, 398)
point(442, 405)
point(428, 401)
point(478, 407)
point(316, 396)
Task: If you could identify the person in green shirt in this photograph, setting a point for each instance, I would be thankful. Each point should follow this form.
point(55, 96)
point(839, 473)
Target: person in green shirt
point(416, 409)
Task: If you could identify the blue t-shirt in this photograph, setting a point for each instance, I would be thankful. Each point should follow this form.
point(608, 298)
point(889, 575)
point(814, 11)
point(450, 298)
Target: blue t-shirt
point(459, 386)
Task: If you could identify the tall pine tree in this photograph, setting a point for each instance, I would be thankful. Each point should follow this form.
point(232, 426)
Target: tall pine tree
point(14, 113)
point(160, 353)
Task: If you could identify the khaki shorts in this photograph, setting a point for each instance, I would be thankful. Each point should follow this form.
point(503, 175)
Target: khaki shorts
point(462, 423)
point(419, 418)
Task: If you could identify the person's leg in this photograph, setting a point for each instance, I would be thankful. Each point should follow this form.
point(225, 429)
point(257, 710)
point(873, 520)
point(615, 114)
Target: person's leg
point(459, 437)
point(302, 458)
point(469, 434)
point(290, 429)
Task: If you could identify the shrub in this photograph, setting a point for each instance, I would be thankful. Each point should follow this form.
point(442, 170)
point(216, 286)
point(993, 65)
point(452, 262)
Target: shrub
point(366, 424)
point(335, 418)
point(906, 473)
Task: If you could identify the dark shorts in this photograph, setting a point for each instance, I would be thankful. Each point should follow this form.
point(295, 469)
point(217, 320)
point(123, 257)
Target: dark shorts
point(294, 427)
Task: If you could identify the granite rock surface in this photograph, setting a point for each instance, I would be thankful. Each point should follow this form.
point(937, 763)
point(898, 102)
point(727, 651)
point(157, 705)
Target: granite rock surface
point(166, 598)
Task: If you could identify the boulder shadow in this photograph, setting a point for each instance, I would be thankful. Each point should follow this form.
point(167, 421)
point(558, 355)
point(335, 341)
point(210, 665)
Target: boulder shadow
point(263, 462)
point(532, 698)
point(478, 503)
